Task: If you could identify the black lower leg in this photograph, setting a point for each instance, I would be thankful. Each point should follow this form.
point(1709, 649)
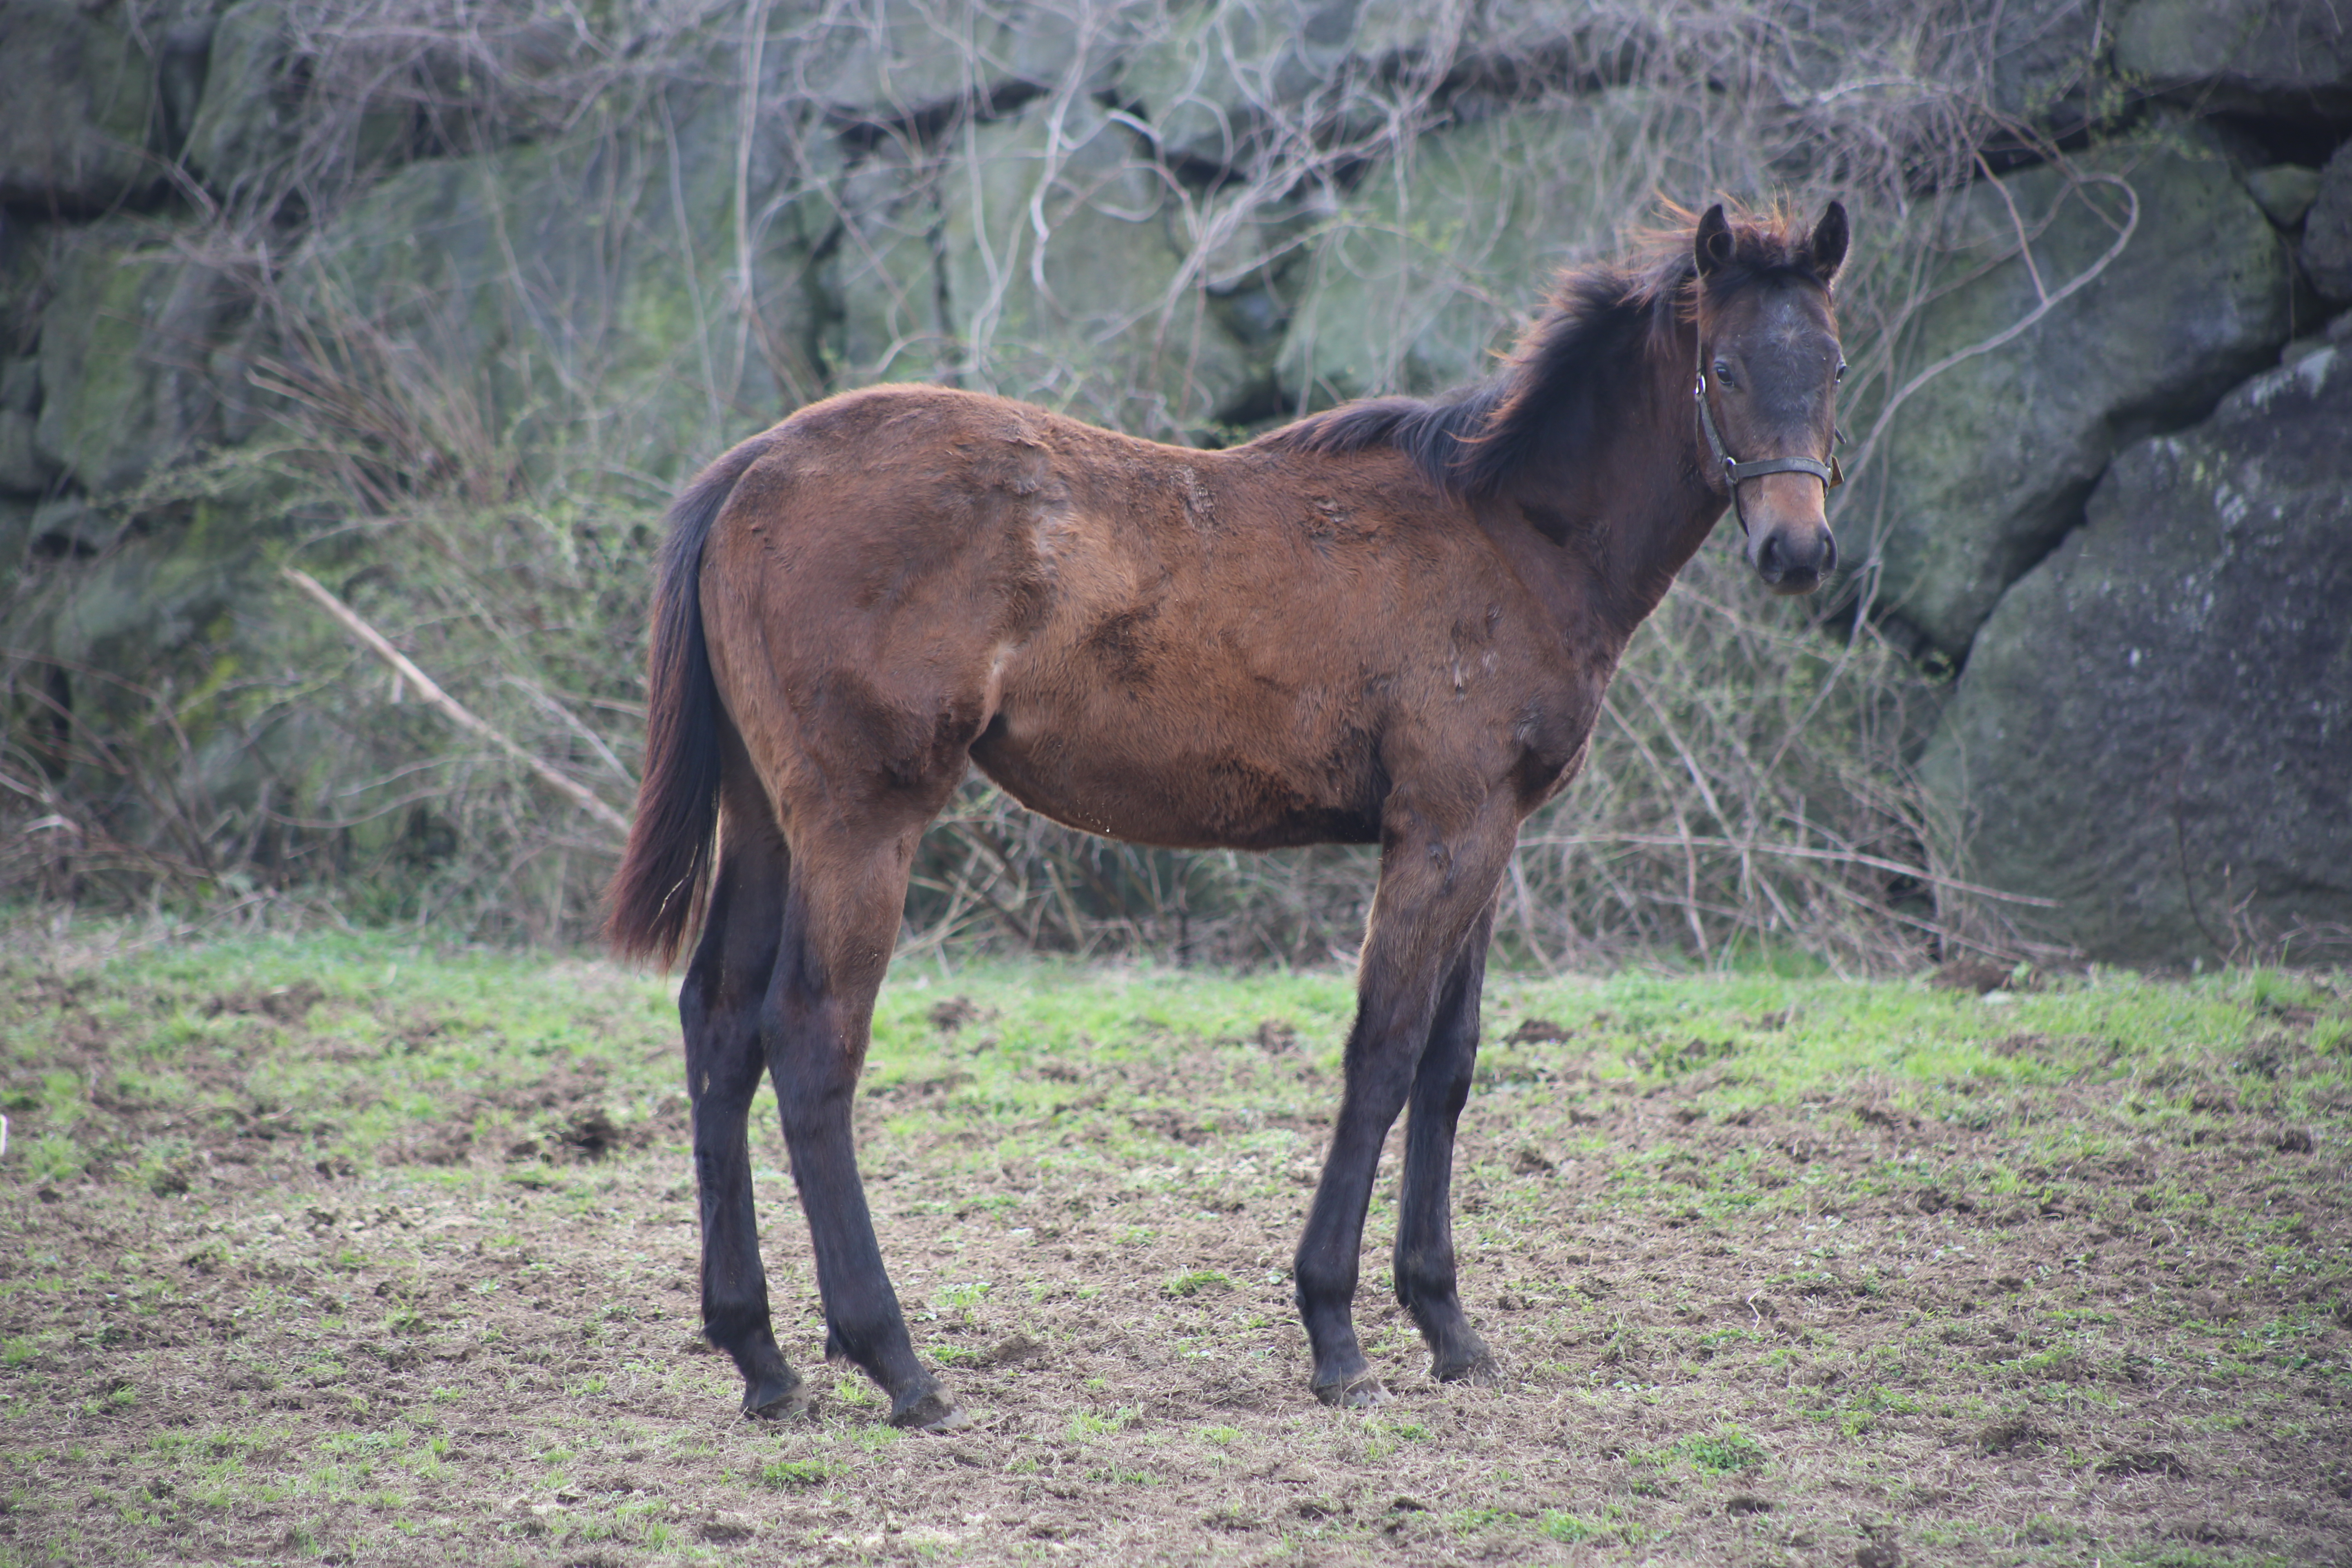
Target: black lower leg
point(1424, 1262)
point(1325, 1271)
point(816, 1074)
point(720, 1007)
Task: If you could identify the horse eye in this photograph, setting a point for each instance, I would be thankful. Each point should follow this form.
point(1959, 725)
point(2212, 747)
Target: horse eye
point(1723, 373)
point(1841, 371)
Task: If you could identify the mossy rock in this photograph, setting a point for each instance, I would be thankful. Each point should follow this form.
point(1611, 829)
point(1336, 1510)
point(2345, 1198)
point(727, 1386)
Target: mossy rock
point(2156, 725)
point(127, 385)
point(2326, 248)
point(900, 62)
point(953, 275)
point(79, 109)
point(2288, 58)
point(2051, 64)
point(1212, 82)
point(1424, 275)
point(1987, 466)
point(247, 121)
point(495, 302)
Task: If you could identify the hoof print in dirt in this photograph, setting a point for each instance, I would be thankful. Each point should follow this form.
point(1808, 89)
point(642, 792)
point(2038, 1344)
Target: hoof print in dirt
point(2010, 1432)
point(1011, 1349)
point(1879, 1553)
point(727, 1529)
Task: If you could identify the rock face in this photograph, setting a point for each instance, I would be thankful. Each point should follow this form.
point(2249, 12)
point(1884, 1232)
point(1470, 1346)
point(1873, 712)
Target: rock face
point(126, 350)
point(1987, 466)
point(2291, 56)
point(1407, 275)
point(2156, 725)
point(76, 111)
point(1113, 332)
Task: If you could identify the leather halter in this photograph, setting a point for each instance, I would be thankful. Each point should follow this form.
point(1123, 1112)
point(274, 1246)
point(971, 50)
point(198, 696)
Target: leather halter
point(1736, 472)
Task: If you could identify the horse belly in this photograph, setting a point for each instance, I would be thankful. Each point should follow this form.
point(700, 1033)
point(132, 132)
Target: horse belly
point(1179, 796)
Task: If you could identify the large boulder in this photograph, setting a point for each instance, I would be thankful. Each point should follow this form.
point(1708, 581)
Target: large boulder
point(126, 381)
point(24, 471)
point(460, 298)
point(1986, 467)
point(1050, 265)
point(247, 124)
point(2049, 62)
point(1413, 284)
point(2156, 725)
point(1218, 81)
point(300, 102)
point(77, 109)
point(902, 63)
point(2286, 57)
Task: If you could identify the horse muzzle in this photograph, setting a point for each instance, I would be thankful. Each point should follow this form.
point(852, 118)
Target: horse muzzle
point(1792, 557)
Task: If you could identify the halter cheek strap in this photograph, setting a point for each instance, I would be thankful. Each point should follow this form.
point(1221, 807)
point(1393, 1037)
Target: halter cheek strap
point(1736, 473)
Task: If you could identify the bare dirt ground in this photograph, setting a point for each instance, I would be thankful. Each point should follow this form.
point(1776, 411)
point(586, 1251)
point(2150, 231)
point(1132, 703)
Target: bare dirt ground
point(1931, 1314)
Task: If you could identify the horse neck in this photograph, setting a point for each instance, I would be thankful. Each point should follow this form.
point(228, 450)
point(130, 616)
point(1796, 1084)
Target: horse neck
point(1619, 467)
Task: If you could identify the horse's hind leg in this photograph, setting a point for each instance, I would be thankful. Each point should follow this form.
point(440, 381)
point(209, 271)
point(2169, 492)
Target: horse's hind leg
point(841, 920)
point(719, 1005)
point(1424, 1240)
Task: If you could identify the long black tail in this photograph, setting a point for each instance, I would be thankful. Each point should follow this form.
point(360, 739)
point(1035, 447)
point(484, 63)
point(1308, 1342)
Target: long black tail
point(657, 893)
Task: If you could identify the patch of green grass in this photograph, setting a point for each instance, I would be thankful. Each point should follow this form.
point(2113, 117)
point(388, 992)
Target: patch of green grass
point(1724, 1451)
point(1084, 1426)
point(970, 1293)
point(1567, 1528)
point(786, 1475)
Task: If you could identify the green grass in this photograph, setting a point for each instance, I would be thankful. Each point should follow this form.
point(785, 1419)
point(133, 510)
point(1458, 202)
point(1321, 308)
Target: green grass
point(400, 1036)
point(370, 1240)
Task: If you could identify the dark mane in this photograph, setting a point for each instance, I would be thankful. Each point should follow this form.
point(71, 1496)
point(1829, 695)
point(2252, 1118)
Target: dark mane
point(1600, 320)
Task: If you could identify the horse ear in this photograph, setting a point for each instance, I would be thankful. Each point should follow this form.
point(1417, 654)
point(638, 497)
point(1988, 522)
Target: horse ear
point(1711, 246)
point(1829, 235)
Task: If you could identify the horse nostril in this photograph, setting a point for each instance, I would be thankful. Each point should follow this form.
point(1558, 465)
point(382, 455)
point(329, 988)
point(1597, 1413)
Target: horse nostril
point(1829, 552)
point(1768, 562)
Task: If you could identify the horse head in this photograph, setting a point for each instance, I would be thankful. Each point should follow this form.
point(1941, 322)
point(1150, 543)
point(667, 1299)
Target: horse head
point(1769, 367)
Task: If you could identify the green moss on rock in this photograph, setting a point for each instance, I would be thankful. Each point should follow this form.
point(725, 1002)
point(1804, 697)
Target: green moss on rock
point(1985, 468)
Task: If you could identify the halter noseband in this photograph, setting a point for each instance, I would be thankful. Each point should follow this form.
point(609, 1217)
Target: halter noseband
point(1736, 472)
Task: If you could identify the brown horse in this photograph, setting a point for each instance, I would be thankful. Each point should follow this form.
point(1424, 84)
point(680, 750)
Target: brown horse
point(1390, 623)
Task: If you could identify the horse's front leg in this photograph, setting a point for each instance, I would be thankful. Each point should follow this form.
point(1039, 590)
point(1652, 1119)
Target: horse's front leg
point(1436, 881)
point(1424, 1240)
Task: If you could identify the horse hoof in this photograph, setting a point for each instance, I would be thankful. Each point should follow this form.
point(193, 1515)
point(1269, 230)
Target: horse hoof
point(779, 1401)
point(1481, 1370)
point(1365, 1391)
point(927, 1411)
point(954, 1421)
